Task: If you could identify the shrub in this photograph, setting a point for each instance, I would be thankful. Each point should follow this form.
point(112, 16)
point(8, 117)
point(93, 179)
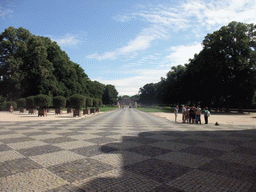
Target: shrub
point(89, 102)
point(59, 102)
point(100, 103)
point(95, 102)
point(30, 103)
point(68, 104)
point(77, 101)
point(2, 102)
point(21, 102)
point(9, 103)
point(43, 101)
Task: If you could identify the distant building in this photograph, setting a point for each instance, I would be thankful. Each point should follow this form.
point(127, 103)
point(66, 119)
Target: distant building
point(126, 101)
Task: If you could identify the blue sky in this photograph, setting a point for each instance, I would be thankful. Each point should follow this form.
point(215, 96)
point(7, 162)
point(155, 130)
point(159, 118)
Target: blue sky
point(126, 43)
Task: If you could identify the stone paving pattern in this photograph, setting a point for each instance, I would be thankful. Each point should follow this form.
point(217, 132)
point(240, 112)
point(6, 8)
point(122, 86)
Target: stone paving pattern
point(126, 150)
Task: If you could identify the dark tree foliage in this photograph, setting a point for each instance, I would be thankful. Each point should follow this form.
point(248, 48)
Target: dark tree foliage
point(223, 74)
point(110, 95)
point(21, 102)
point(59, 102)
point(148, 94)
point(32, 65)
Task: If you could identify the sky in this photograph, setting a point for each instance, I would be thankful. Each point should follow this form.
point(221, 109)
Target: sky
point(126, 43)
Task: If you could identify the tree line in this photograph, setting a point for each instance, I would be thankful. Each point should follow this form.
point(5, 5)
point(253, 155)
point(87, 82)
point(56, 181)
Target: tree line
point(223, 74)
point(32, 65)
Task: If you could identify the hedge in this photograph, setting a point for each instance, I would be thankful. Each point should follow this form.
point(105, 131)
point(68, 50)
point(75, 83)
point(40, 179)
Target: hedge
point(21, 102)
point(77, 101)
point(100, 102)
point(43, 101)
point(95, 102)
point(68, 104)
point(9, 103)
point(30, 103)
point(59, 102)
point(89, 102)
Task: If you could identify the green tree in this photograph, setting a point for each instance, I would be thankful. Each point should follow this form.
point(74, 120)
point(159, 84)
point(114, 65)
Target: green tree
point(227, 65)
point(110, 95)
point(13, 48)
point(148, 94)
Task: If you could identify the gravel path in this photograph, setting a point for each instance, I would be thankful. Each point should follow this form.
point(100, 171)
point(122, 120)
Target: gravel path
point(126, 150)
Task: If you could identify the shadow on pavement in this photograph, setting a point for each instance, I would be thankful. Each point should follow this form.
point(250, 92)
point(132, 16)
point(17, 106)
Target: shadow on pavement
point(179, 161)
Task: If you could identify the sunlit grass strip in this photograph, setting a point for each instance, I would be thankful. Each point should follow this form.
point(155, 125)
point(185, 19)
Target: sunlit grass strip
point(102, 109)
point(156, 109)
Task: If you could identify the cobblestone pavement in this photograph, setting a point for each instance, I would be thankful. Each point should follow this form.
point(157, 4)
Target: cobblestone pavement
point(126, 150)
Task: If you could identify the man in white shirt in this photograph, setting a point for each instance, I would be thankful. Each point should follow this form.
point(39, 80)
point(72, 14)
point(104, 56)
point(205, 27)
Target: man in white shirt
point(198, 114)
point(183, 113)
point(176, 110)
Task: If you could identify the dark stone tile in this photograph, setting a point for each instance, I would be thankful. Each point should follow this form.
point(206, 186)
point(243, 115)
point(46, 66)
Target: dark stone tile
point(176, 134)
point(4, 147)
point(7, 132)
point(58, 140)
point(105, 133)
point(245, 150)
point(50, 129)
point(157, 170)
point(21, 128)
point(232, 170)
point(70, 133)
point(109, 129)
point(16, 140)
point(149, 151)
point(93, 150)
point(39, 150)
point(166, 188)
point(206, 152)
point(67, 188)
point(35, 133)
point(80, 169)
point(228, 141)
point(80, 129)
point(146, 134)
point(17, 166)
point(140, 140)
point(186, 141)
point(101, 140)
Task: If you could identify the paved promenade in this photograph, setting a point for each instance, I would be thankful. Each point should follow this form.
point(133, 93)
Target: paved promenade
point(126, 150)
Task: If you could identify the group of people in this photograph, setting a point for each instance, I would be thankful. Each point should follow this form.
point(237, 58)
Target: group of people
point(192, 114)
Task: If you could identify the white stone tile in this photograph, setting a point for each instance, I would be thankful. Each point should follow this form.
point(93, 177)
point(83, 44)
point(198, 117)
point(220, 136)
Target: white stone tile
point(10, 155)
point(73, 144)
point(26, 144)
point(55, 158)
point(34, 180)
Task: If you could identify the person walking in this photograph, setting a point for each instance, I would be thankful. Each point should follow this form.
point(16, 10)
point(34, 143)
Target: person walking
point(176, 110)
point(183, 113)
point(11, 108)
point(206, 115)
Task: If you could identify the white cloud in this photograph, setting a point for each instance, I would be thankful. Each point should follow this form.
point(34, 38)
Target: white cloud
point(66, 40)
point(141, 42)
point(5, 12)
point(141, 77)
point(199, 17)
point(181, 54)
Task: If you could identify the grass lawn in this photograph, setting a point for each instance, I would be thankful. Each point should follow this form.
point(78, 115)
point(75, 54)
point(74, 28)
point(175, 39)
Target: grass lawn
point(156, 109)
point(102, 109)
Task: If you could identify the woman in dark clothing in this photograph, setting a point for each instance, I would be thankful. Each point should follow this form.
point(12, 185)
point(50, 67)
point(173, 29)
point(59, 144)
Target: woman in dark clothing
point(192, 115)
